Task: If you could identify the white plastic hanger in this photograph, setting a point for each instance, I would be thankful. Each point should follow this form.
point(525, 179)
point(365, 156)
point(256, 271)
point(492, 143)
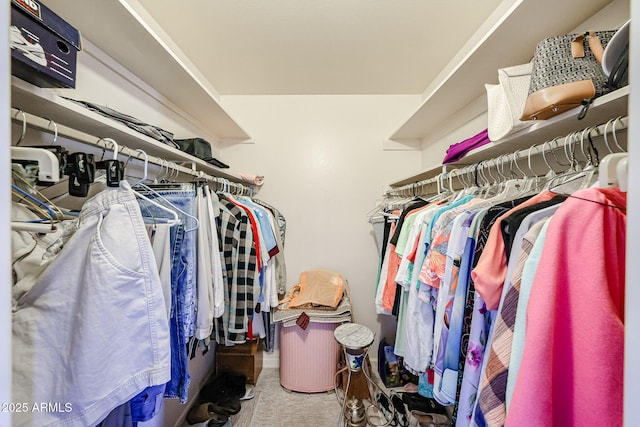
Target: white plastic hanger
point(172, 209)
point(608, 170)
point(613, 168)
point(174, 216)
point(48, 164)
point(623, 174)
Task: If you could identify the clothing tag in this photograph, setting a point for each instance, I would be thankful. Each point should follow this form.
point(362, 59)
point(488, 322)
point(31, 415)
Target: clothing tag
point(303, 321)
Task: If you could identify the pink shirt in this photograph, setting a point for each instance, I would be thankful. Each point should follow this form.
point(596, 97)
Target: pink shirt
point(491, 270)
point(572, 367)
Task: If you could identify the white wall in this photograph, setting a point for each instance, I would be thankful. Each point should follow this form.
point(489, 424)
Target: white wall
point(324, 168)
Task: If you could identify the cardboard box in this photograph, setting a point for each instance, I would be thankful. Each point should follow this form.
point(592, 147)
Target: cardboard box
point(44, 47)
point(242, 359)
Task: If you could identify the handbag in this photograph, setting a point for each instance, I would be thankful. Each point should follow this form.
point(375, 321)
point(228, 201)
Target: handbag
point(317, 289)
point(567, 73)
point(505, 101)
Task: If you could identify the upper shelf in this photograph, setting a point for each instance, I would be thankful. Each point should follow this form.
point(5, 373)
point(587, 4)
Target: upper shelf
point(604, 108)
point(128, 34)
point(45, 103)
point(508, 37)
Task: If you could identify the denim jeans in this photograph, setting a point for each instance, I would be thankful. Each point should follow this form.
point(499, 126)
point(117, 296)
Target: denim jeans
point(183, 265)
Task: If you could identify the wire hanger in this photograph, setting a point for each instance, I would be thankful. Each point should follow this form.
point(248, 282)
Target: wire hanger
point(172, 208)
point(55, 131)
point(38, 204)
point(24, 126)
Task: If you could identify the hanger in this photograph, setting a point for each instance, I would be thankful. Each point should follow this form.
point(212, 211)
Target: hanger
point(590, 156)
point(490, 185)
point(48, 163)
point(24, 126)
point(608, 172)
point(510, 189)
point(614, 134)
point(623, 174)
point(36, 202)
point(612, 122)
point(55, 131)
point(146, 166)
point(114, 169)
point(574, 178)
point(172, 209)
point(521, 183)
point(34, 227)
point(472, 177)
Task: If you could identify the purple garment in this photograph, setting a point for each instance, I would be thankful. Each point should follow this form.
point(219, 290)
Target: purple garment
point(457, 151)
point(481, 324)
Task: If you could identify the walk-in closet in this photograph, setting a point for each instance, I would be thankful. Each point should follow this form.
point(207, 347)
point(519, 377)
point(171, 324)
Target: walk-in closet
point(301, 213)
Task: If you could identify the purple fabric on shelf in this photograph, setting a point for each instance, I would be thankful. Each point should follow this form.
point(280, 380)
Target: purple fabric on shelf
point(457, 151)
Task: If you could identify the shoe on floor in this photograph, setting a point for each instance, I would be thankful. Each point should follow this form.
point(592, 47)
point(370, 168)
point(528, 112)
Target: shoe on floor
point(224, 386)
point(423, 404)
point(227, 406)
point(248, 394)
point(428, 420)
point(205, 412)
point(212, 423)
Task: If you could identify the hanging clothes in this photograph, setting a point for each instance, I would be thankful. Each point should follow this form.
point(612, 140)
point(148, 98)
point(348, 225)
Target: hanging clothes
point(463, 274)
point(110, 308)
point(183, 251)
point(575, 317)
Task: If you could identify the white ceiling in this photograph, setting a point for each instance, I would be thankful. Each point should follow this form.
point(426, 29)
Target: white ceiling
point(259, 47)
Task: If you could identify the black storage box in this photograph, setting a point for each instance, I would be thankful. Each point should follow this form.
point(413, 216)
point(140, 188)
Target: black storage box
point(44, 47)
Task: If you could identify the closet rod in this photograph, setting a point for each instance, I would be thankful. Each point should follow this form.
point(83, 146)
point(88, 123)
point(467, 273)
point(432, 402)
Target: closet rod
point(43, 124)
point(412, 189)
point(598, 131)
point(552, 145)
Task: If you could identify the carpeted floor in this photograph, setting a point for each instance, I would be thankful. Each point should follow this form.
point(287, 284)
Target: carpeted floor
point(274, 406)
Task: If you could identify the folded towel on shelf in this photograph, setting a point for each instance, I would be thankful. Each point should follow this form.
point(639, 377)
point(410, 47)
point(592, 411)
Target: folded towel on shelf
point(252, 179)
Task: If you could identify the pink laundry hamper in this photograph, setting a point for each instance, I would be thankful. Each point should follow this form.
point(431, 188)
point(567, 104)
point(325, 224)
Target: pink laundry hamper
point(308, 358)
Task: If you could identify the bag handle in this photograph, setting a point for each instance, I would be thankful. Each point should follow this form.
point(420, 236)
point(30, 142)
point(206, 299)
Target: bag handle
point(577, 47)
point(290, 297)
